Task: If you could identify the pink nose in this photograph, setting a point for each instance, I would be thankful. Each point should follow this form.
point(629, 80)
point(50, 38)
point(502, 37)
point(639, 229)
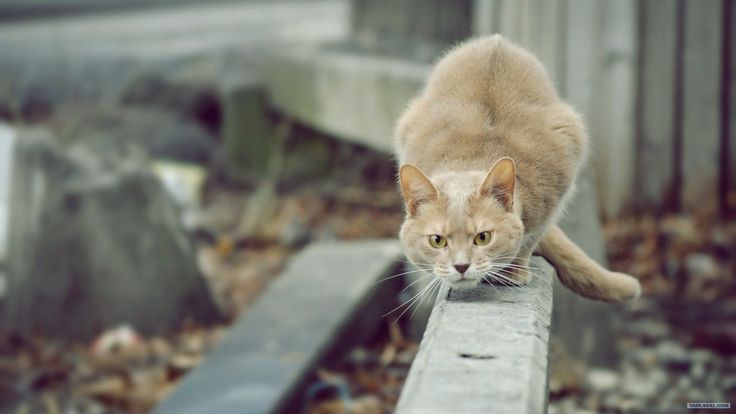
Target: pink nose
point(461, 268)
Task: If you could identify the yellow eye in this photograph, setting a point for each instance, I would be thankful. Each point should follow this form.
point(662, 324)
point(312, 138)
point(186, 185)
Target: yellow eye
point(483, 238)
point(437, 241)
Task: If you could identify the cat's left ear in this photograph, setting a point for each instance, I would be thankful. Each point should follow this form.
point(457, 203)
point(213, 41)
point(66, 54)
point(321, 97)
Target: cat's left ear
point(500, 182)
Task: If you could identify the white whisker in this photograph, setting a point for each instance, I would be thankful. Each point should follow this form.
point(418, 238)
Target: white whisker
point(417, 297)
point(417, 281)
point(400, 274)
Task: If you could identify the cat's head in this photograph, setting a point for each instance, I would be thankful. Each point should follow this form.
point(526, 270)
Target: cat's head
point(463, 225)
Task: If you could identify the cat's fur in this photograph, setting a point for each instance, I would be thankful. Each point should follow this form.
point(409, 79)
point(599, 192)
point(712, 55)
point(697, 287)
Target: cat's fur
point(489, 146)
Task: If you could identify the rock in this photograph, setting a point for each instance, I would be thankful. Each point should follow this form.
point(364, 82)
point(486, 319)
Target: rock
point(728, 384)
point(648, 330)
point(114, 133)
point(249, 142)
point(645, 384)
point(96, 245)
point(684, 383)
point(196, 101)
point(697, 372)
point(701, 264)
point(703, 356)
point(711, 379)
point(645, 358)
point(295, 233)
point(602, 380)
point(673, 356)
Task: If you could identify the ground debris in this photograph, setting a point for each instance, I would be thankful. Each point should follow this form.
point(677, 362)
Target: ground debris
point(368, 379)
point(121, 371)
point(677, 342)
point(43, 375)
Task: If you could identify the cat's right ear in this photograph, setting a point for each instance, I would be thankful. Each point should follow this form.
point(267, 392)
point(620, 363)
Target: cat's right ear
point(416, 188)
point(501, 182)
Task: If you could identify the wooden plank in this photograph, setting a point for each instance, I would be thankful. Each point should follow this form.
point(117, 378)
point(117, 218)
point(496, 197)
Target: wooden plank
point(328, 296)
point(656, 142)
point(701, 128)
point(581, 55)
point(548, 30)
point(729, 163)
point(583, 326)
point(481, 19)
point(485, 350)
point(510, 24)
point(613, 120)
point(24, 224)
point(485, 16)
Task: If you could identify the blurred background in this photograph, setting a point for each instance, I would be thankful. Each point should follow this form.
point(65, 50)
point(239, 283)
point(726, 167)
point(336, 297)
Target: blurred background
point(161, 161)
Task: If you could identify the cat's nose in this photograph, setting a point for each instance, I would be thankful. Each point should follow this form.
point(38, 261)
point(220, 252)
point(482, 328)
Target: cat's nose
point(461, 267)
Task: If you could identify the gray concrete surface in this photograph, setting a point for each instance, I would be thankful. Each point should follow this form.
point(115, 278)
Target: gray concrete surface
point(7, 141)
point(92, 56)
point(352, 96)
point(327, 297)
point(485, 350)
point(93, 245)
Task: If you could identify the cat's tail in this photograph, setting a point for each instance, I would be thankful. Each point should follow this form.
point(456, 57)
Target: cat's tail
point(583, 275)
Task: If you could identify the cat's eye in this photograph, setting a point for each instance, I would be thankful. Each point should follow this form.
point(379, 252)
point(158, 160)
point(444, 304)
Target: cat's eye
point(481, 239)
point(437, 241)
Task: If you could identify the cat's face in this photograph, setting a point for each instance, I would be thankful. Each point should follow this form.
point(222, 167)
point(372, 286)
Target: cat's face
point(461, 226)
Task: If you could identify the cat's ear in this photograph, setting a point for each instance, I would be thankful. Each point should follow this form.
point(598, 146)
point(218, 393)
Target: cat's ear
point(416, 188)
point(500, 182)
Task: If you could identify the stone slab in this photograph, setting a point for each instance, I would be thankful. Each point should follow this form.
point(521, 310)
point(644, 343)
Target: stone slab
point(7, 139)
point(206, 41)
point(485, 350)
point(92, 245)
point(349, 95)
point(269, 352)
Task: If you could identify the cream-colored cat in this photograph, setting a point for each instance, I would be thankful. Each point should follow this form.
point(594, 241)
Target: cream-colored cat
point(489, 155)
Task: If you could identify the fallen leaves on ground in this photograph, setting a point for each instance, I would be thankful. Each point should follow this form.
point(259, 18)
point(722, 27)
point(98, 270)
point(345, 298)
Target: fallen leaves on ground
point(368, 380)
point(677, 343)
point(79, 377)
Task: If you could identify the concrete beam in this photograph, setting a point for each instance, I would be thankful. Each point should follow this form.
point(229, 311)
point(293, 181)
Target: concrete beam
point(327, 297)
point(352, 96)
point(485, 350)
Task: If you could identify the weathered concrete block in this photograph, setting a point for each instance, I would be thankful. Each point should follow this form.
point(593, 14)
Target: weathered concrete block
point(247, 132)
point(7, 142)
point(403, 22)
point(327, 297)
point(352, 96)
point(485, 350)
point(91, 248)
point(112, 133)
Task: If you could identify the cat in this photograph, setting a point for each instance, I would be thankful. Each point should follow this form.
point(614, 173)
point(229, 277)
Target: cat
point(488, 157)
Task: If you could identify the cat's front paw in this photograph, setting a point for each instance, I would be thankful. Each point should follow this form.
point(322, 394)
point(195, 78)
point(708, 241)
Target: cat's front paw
point(520, 272)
